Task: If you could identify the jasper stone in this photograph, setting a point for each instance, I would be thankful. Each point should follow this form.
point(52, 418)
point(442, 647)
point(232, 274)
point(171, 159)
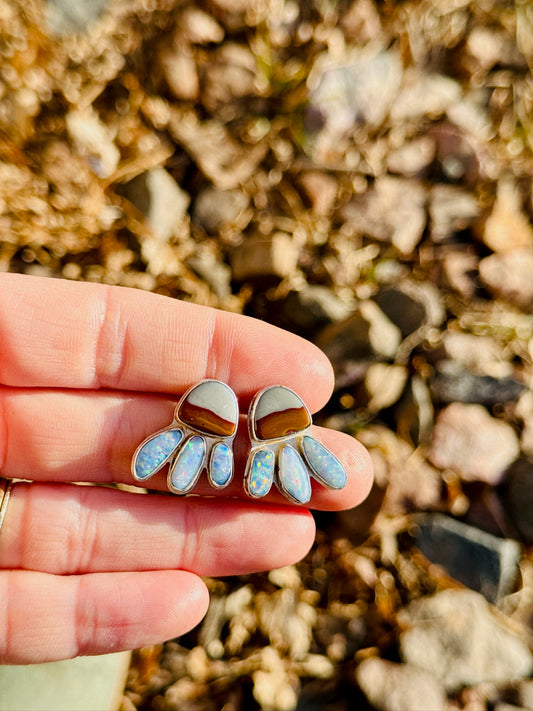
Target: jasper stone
point(324, 465)
point(279, 412)
point(188, 465)
point(221, 467)
point(261, 473)
point(210, 407)
point(292, 475)
point(155, 452)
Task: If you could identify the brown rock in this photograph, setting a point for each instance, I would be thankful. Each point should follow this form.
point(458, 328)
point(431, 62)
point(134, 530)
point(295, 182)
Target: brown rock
point(468, 440)
point(258, 256)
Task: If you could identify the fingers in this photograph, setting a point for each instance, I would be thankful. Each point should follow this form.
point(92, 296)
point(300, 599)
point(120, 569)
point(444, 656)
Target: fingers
point(57, 333)
point(46, 617)
point(88, 436)
point(67, 529)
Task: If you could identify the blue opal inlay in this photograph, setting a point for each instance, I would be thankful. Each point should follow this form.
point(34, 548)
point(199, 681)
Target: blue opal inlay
point(325, 466)
point(261, 473)
point(155, 452)
point(188, 464)
point(221, 467)
point(293, 476)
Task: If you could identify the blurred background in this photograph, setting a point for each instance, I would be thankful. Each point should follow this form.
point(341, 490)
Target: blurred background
point(358, 172)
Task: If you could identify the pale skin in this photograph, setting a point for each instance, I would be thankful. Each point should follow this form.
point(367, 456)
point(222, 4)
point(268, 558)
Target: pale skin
point(86, 372)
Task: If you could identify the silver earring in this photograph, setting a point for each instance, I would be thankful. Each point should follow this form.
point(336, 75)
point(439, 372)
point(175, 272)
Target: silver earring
point(200, 436)
point(284, 451)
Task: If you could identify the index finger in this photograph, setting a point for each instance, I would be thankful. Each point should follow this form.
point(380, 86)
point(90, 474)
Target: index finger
point(66, 334)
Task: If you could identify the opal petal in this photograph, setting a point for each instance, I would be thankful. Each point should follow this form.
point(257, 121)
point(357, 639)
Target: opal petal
point(155, 452)
point(325, 466)
point(261, 473)
point(293, 476)
point(221, 466)
point(188, 465)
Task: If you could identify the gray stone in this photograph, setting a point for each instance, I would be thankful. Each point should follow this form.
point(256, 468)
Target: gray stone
point(93, 140)
point(519, 498)
point(216, 209)
point(213, 271)
point(393, 210)
point(411, 305)
point(160, 199)
point(453, 383)
point(81, 684)
point(455, 636)
point(66, 17)
point(350, 344)
point(360, 91)
point(398, 687)
point(482, 562)
point(475, 445)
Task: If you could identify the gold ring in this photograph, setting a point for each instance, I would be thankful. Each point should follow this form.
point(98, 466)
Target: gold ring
point(5, 492)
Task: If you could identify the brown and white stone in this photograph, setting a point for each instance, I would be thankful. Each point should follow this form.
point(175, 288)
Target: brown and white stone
point(278, 412)
point(211, 408)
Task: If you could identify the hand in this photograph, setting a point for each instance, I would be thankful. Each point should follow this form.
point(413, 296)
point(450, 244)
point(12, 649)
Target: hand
point(85, 374)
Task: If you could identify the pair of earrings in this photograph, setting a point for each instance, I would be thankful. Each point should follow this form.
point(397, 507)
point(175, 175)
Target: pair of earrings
point(283, 452)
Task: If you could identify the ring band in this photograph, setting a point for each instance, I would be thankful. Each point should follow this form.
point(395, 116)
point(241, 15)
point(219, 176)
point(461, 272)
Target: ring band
point(5, 491)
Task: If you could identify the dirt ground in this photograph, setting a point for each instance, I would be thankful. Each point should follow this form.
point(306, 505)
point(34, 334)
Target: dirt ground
point(358, 172)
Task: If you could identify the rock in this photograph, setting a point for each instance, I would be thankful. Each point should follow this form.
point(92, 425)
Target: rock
point(507, 228)
point(393, 210)
point(178, 66)
point(424, 95)
point(413, 158)
point(397, 687)
point(411, 305)
point(93, 140)
point(384, 385)
point(213, 271)
point(414, 413)
point(461, 271)
point(508, 276)
point(361, 22)
point(199, 27)
point(454, 636)
point(321, 191)
point(481, 354)
point(472, 443)
point(451, 210)
point(359, 91)
point(270, 256)
point(519, 498)
point(313, 308)
point(410, 482)
point(230, 75)
point(458, 155)
point(160, 199)
point(362, 336)
point(216, 209)
point(482, 562)
point(454, 383)
point(221, 159)
point(68, 18)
